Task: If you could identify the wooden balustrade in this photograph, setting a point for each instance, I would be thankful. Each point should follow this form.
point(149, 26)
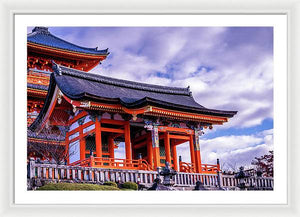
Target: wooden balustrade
point(113, 163)
point(101, 174)
point(205, 168)
point(210, 168)
point(187, 167)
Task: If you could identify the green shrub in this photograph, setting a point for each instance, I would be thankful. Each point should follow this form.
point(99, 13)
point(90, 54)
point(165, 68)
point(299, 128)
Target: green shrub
point(76, 187)
point(109, 183)
point(130, 185)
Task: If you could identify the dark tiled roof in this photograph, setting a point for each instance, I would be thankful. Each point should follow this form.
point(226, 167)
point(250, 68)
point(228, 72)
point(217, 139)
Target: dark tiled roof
point(79, 85)
point(98, 79)
point(41, 35)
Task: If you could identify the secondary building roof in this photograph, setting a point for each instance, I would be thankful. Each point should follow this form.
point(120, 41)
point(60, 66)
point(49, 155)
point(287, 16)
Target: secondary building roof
point(41, 36)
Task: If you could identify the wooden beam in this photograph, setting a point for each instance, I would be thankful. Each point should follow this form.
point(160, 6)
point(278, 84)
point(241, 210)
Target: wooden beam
point(91, 132)
point(111, 147)
point(198, 161)
point(175, 162)
point(83, 126)
point(128, 141)
point(62, 107)
point(117, 135)
point(149, 150)
point(167, 147)
point(156, 157)
point(98, 137)
point(175, 129)
point(179, 141)
point(197, 154)
point(135, 111)
point(192, 150)
point(112, 130)
point(58, 123)
point(162, 136)
point(114, 122)
point(140, 138)
point(80, 115)
point(140, 145)
point(183, 115)
point(179, 137)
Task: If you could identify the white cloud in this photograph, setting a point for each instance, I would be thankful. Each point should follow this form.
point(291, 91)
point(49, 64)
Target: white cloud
point(120, 151)
point(233, 151)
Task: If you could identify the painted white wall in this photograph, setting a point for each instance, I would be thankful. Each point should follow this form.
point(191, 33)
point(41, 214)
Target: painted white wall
point(89, 128)
point(74, 135)
point(74, 126)
point(74, 151)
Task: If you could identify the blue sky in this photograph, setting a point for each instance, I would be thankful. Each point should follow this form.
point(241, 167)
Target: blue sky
point(228, 68)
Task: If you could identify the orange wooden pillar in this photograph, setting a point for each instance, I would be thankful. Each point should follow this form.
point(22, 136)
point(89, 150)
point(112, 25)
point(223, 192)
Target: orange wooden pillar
point(192, 150)
point(127, 141)
point(98, 137)
point(198, 161)
point(197, 153)
point(149, 150)
point(155, 147)
point(82, 142)
point(174, 151)
point(111, 147)
point(92, 161)
point(167, 148)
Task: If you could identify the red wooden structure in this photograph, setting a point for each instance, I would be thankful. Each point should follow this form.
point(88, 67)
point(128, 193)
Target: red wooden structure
point(96, 113)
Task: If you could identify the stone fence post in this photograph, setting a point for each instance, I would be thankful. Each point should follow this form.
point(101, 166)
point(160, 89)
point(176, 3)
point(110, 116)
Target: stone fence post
point(31, 168)
point(219, 174)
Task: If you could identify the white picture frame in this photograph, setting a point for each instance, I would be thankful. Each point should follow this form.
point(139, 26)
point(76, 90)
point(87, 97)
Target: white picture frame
point(10, 9)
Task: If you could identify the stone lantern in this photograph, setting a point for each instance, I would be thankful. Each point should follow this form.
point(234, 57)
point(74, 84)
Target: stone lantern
point(241, 176)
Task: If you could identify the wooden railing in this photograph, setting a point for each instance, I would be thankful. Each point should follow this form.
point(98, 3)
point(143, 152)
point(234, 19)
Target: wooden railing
point(205, 168)
point(210, 168)
point(114, 163)
point(53, 172)
point(187, 167)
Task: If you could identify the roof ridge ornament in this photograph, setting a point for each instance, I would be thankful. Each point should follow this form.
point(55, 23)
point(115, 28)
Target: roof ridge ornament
point(189, 90)
point(124, 83)
point(41, 30)
point(56, 68)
